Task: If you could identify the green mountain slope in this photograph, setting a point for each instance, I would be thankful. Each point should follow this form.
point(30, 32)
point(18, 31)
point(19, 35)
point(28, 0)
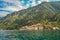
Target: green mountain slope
point(46, 11)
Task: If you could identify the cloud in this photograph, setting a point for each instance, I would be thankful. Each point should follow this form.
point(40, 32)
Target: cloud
point(33, 3)
point(2, 14)
point(11, 5)
point(45, 0)
point(11, 8)
point(39, 2)
point(16, 5)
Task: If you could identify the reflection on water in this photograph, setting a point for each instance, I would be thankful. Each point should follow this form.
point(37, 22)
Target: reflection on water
point(29, 35)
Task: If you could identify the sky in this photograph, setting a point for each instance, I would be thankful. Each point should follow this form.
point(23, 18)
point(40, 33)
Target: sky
point(9, 6)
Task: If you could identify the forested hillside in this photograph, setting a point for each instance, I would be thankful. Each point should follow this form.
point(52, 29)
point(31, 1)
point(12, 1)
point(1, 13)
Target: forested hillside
point(46, 13)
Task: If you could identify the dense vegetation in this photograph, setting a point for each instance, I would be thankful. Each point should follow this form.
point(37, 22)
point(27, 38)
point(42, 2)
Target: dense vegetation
point(46, 13)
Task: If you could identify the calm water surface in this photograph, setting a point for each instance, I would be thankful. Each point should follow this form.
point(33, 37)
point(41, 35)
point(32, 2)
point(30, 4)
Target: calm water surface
point(29, 35)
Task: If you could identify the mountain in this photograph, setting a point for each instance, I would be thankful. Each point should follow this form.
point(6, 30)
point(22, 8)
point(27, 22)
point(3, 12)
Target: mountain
point(46, 11)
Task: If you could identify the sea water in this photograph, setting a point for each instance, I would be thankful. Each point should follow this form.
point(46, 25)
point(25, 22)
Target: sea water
point(29, 35)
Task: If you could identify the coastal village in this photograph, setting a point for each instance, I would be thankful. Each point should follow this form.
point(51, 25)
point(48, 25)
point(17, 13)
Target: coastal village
point(39, 27)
